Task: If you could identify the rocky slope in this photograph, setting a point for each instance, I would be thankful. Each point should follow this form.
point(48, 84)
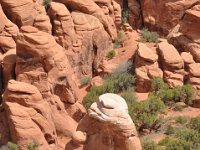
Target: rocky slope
point(45, 51)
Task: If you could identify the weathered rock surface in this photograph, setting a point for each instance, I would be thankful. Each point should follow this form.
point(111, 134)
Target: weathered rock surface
point(28, 115)
point(42, 61)
point(187, 37)
point(108, 126)
point(27, 12)
point(173, 65)
point(163, 16)
point(91, 8)
point(146, 67)
point(134, 15)
point(83, 38)
point(194, 80)
point(8, 32)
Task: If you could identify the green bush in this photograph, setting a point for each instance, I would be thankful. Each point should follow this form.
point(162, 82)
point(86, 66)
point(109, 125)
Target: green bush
point(114, 83)
point(147, 36)
point(170, 130)
point(189, 93)
point(178, 107)
point(85, 80)
point(121, 82)
point(111, 54)
point(46, 2)
point(95, 92)
point(169, 96)
point(166, 140)
point(130, 98)
point(181, 119)
point(195, 123)
point(12, 146)
point(175, 144)
point(125, 16)
point(121, 37)
point(146, 113)
point(33, 146)
point(157, 84)
point(185, 139)
point(189, 135)
point(150, 145)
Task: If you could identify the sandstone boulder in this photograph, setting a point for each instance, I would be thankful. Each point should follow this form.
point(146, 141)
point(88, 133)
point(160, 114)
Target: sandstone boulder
point(194, 80)
point(173, 65)
point(187, 37)
point(108, 126)
point(146, 67)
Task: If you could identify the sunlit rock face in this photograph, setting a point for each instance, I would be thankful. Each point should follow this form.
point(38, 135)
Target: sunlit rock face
point(108, 126)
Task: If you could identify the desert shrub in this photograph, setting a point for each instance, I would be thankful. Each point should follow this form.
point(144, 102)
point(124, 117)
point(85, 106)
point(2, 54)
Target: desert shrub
point(33, 146)
point(185, 139)
point(195, 123)
point(166, 140)
point(121, 82)
point(85, 80)
point(170, 130)
point(146, 114)
point(46, 2)
point(175, 144)
point(189, 93)
point(148, 144)
point(158, 84)
point(181, 119)
point(189, 135)
point(125, 16)
point(178, 107)
point(12, 146)
point(130, 98)
point(121, 37)
point(183, 93)
point(95, 92)
point(111, 54)
point(114, 83)
point(147, 36)
point(124, 67)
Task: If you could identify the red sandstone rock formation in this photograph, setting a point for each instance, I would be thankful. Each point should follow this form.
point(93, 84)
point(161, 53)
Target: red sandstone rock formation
point(40, 55)
point(146, 67)
point(83, 38)
point(90, 7)
point(107, 126)
point(173, 65)
point(27, 12)
point(163, 16)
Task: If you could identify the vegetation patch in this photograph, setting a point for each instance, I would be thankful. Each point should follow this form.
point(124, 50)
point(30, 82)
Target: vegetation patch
point(148, 36)
point(33, 146)
point(111, 54)
point(85, 80)
point(169, 96)
point(114, 83)
point(125, 16)
point(121, 37)
point(46, 3)
point(148, 144)
point(12, 146)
